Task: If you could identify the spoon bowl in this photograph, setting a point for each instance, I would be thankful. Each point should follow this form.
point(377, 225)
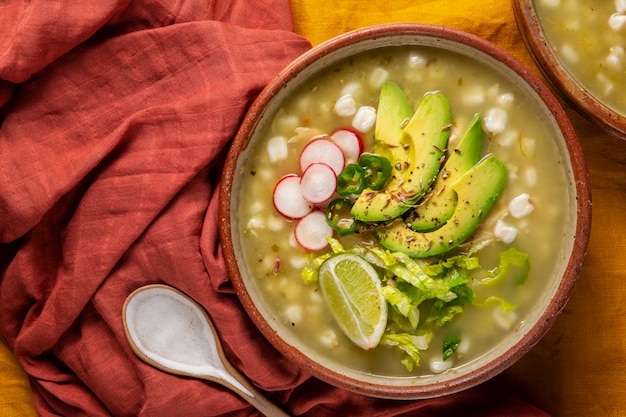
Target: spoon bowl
point(170, 331)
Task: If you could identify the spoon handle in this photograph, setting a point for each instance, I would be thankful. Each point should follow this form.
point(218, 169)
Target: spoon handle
point(257, 400)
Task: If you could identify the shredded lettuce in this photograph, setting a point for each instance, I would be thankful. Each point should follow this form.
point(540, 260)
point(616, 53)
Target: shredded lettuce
point(513, 265)
point(441, 288)
point(442, 313)
point(309, 273)
point(402, 304)
point(335, 246)
point(410, 344)
point(504, 304)
point(409, 270)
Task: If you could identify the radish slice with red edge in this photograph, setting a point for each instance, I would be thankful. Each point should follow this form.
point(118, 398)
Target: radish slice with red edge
point(350, 143)
point(288, 198)
point(325, 151)
point(318, 183)
point(312, 230)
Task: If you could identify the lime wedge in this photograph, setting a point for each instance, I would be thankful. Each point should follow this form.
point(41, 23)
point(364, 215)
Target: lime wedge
point(353, 292)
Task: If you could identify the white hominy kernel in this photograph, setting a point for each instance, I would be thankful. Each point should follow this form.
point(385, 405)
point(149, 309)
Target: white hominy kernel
point(620, 6)
point(530, 176)
point(254, 223)
point(438, 366)
point(508, 138)
point(505, 232)
point(464, 346)
point(283, 283)
point(506, 100)
point(364, 119)
point(277, 148)
point(513, 171)
point(316, 297)
point(417, 61)
point(353, 88)
point(298, 262)
point(523, 225)
point(303, 104)
point(265, 174)
point(293, 313)
point(475, 95)
point(329, 338)
point(615, 58)
point(504, 319)
point(606, 83)
point(569, 53)
point(551, 3)
point(378, 77)
point(345, 106)
point(521, 206)
point(288, 123)
point(617, 21)
point(613, 62)
point(495, 120)
point(274, 223)
point(493, 91)
point(256, 207)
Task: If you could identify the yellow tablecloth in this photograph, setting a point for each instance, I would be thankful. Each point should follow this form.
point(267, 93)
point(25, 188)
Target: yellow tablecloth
point(578, 368)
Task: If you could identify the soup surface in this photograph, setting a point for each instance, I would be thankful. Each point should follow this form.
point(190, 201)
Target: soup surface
point(529, 216)
point(589, 37)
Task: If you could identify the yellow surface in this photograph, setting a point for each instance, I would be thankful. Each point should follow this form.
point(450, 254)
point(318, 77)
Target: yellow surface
point(319, 20)
point(579, 368)
point(16, 399)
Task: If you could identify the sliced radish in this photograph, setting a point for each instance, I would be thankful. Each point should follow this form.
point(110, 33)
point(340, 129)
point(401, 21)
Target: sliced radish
point(350, 143)
point(312, 230)
point(288, 199)
point(322, 150)
point(318, 183)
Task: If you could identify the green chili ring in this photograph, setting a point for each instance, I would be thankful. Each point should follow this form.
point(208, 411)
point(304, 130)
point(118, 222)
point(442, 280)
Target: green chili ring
point(377, 170)
point(339, 218)
point(351, 180)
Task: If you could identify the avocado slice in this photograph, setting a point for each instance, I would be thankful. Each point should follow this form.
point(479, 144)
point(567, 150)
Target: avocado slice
point(438, 205)
point(477, 190)
point(394, 111)
point(423, 141)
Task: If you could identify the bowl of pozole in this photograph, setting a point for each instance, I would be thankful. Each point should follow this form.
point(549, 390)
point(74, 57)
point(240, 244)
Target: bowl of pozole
point(404, 211)
point(579, 46)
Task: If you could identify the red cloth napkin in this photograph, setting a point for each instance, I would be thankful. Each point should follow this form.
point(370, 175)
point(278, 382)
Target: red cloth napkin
point(117, 116)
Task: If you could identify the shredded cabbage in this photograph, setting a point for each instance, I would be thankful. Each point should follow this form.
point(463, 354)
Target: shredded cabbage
point(513, 265)
point(440, 288)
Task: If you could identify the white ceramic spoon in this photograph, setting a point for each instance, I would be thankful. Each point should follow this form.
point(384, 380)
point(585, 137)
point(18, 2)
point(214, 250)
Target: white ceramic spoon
point(171, 332)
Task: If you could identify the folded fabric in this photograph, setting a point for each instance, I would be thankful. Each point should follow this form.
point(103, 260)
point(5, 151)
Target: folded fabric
point(116, 119)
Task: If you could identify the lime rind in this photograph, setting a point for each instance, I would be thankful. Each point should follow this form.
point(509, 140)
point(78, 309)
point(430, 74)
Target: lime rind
point(353, 292)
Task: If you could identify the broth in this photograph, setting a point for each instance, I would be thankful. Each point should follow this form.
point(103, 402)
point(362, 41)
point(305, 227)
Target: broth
point(589, 37)
point(520, 139)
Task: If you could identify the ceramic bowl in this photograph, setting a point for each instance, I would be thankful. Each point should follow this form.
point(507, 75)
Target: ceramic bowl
point(558, 285)
point(561, 61)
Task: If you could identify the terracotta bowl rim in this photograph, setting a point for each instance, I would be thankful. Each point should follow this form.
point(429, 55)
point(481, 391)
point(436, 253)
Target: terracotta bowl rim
point(559, 77)
point(572, 269)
